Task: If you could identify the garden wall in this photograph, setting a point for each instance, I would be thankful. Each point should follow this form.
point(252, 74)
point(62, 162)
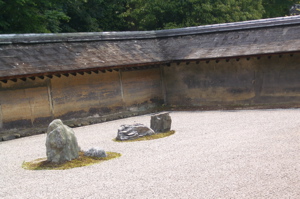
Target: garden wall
point(78, 100)
point(263, 80)
point(27, 107)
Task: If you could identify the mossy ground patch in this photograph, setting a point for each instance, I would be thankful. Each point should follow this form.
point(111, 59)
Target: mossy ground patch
point(149, 137)
point(43, 164)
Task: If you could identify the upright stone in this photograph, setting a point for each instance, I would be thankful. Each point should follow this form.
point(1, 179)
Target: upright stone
point(61, 143)
point(161, 122)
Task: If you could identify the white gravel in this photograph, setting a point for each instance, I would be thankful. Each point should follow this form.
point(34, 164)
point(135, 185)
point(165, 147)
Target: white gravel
point(213, 154)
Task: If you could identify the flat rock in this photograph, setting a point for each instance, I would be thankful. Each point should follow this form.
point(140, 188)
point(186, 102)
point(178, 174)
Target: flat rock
point(134, 131)
point(8, 137)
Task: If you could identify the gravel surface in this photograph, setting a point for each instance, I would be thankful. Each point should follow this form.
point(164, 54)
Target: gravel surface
point(213, 154)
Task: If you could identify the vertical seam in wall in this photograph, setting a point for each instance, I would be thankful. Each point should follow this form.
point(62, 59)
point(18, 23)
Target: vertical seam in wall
point(258, 82)
point(163, 86)
point(1, 119)
point(49, 88)
point(30, 107)
point(121, 86)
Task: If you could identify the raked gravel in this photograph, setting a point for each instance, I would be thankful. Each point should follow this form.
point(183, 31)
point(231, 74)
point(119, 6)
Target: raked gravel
point(213, 154)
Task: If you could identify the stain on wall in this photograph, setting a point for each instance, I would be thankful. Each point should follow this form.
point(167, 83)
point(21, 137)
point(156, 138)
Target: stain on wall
point(281, 78)
point(142, 87)
point(84, 95)
point(209, 83)
point(25, 107)
point(36, 102)
point(256, 80)
point(245, 81)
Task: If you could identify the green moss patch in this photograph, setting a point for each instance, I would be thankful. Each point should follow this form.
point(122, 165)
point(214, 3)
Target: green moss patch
point(149, 137)
point(81, 161)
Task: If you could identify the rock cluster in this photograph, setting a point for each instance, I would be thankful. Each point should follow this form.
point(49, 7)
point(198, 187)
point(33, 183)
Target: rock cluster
point(130, 132)
point(160, 122)
point(61, 143)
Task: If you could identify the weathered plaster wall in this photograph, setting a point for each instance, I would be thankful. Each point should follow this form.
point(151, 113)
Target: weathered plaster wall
point(263, 80)
point(105, 93)
point(142, 88)
point(84, 95)
point(24, 104)
point(268, 80)
point(203, 84)
point(34, 103)
point(280, 79)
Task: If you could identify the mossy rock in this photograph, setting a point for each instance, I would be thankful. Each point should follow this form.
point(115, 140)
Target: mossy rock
point(81, 161)
point(149, 137)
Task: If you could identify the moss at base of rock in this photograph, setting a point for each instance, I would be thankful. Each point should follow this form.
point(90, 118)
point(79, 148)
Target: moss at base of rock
point(149, 137)
point(43, 164)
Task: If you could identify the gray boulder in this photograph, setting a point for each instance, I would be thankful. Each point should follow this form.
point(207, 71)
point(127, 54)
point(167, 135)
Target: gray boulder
point(61, 143)
point(130, 132)
point(161, 122)
point(95, 152)
point(8, 137)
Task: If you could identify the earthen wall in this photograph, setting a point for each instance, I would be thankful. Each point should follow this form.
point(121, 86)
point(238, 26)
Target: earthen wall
point(90, 97)
point(266, 80)
point(82, 99)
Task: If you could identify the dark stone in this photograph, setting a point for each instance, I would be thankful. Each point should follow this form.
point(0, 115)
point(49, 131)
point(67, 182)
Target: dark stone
point(85, 123)
point(71, 125)
point(161, 122)
point(8, 137)
point(131, 132)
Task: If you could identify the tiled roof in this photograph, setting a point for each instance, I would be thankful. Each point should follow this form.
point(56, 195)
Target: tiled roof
point(24, 55)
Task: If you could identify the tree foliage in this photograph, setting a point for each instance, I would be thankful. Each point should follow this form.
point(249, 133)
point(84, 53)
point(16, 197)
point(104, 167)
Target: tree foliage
point(277, 8)
point(157, 14)
point(23, 16)
point(42, 16)
point(94, 15)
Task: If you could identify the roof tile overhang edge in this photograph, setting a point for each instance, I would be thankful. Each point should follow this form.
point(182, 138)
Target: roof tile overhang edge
point(6, 39)
point(135, 66)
